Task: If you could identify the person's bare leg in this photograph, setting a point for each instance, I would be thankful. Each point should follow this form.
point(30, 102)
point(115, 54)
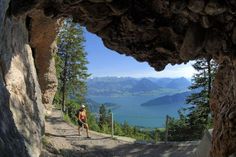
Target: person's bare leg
point(87, 129)
point(79, 130)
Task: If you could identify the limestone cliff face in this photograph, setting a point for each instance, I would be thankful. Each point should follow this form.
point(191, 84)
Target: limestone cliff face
point(43, 31)
point(20, 94)
point(21, 104)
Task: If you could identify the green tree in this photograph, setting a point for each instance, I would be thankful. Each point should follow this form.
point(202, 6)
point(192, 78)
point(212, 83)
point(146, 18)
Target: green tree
point(71, 63)
point(109, 118)
point(118, 129)
point(180, 129)
point(127, 129)
point(93, 125)
point(192, 125)
point(102, 116)
point(199, 116)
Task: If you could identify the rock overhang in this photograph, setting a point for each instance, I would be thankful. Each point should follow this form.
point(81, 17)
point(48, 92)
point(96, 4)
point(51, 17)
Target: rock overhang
point(156, 31)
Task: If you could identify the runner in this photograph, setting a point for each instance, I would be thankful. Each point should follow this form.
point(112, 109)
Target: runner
point(82, 120)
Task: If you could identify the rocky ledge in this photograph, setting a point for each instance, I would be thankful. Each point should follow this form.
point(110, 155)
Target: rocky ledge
point(156, 31)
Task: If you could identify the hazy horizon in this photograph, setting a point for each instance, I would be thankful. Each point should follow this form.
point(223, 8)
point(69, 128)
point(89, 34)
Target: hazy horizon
point(137, 77)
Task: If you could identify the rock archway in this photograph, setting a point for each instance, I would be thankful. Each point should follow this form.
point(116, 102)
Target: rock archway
point(156, 31)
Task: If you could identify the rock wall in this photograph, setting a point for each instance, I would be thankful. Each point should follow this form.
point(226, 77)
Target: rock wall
point(21, 104)
point(43, 31)
point(223, 105)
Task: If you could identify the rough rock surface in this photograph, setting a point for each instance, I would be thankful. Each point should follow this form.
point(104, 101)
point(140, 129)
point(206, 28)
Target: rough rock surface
point(21, 108)
point(42, 40)
point(223, 105)
point(156, 31)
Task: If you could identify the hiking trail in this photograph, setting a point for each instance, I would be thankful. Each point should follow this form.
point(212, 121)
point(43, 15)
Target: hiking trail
point(62, 140)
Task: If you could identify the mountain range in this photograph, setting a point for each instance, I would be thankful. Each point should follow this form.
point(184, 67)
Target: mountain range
point(127, 86)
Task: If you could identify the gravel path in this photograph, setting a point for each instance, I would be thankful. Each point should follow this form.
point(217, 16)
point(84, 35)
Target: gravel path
point(64, 138)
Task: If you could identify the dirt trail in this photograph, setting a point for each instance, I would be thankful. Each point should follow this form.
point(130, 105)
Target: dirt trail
point(64, 138)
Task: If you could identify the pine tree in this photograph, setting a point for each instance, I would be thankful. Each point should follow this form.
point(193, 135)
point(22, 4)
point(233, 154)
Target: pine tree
point(102, 116)
point(192, 125)
point(71, 63)
point(109, 118)
point(199, 100)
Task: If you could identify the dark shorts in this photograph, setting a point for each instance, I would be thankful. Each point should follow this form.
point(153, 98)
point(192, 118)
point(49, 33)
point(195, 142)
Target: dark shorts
point(80, 123)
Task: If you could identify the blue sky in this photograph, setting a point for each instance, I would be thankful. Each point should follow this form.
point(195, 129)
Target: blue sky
point(105, 62)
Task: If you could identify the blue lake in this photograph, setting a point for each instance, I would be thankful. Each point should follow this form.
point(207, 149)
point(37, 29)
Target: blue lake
point(130, 110)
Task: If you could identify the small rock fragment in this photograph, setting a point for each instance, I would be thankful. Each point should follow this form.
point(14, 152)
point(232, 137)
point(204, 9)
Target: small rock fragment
point(196, 5)
point(215, 7)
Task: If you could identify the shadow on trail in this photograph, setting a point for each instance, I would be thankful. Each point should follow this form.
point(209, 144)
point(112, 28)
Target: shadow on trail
point(75, 136)
point(131, 150)
point(61, 135)
point(91, 139)
point(55, 120)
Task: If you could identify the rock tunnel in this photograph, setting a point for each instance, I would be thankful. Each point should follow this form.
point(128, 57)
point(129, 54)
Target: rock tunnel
point(155, 31)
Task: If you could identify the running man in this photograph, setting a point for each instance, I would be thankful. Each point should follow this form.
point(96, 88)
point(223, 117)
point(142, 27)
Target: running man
point(82, 119)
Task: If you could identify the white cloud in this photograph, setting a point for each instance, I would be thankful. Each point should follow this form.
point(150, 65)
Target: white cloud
point(182, 70)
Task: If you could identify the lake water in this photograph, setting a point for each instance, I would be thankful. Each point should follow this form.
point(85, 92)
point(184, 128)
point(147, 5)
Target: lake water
point(131, 111)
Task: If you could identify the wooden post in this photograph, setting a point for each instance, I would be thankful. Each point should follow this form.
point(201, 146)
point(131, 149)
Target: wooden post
point(112, 126)
point(166, 132)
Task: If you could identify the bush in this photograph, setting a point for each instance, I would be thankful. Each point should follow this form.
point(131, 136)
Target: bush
point(186, 128)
